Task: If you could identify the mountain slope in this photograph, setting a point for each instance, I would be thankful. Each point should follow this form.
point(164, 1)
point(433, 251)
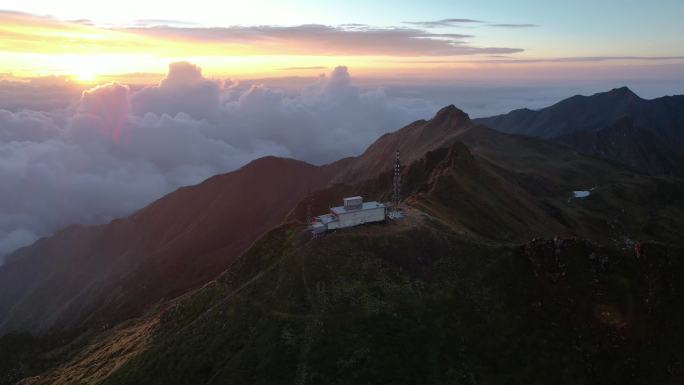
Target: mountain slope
point(450, 125)
point(458, 281)
point(509, 187)
point(411, 302)
point(635, 146)
point(446, 295)
point(99, 275)
point(616, 125)
point(413, 141)
point(105, 274)
point(578, 113)
point(506, 188)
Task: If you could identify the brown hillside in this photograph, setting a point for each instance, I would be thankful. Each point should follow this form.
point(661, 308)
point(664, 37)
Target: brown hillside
point(99, 275)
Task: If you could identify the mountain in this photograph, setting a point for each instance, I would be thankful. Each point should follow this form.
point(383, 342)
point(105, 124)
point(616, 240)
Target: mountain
point(413, 303)
point(635, 146)
point(578, 113)
point(508, 188)
point(497, 275)
point(96, 276)
point(445, 295)
point(617, 125)
point(412, 141)
point(109, 273)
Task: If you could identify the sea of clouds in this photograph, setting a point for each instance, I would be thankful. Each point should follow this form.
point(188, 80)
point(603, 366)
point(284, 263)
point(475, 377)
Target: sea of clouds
point(113, 149)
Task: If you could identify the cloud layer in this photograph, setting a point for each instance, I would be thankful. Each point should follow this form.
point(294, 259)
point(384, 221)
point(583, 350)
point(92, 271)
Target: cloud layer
point(32, 34)
point(445, 23)
point(116, 150)
point(39, 93)
point(316, 39)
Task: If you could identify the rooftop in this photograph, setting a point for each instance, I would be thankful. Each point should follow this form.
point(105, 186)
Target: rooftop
point(365, 206)
point(353, 198)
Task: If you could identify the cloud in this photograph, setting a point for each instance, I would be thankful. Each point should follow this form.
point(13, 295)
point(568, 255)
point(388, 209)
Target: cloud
point(183, 90)
point(14, 239)
point(315, 39)
point(443, 23)
point(40, 93)
point(326, 121)
point(163, 22)
point(580, 59)
point(118, 149)
point(28, 126)
point(109, 104)
point(38, 34)
point(302, 68)
point(34, 34)
point(514, 25)
point(503, 59)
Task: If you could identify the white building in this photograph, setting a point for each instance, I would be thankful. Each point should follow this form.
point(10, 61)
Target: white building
point(354, 212)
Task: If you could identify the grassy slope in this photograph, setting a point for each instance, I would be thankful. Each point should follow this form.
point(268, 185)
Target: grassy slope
point(622, 204)
point(101, 355)
point(414, 303)
point(16, 353)
point(440, 300)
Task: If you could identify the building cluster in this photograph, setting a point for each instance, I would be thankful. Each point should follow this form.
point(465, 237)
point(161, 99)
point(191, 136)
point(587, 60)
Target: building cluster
point(354, 212)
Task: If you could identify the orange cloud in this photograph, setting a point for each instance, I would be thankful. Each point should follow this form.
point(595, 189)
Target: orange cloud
point(27, 33)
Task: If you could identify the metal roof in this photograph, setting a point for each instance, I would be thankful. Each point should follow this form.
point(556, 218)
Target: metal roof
point(365, 206)
point(358, 197)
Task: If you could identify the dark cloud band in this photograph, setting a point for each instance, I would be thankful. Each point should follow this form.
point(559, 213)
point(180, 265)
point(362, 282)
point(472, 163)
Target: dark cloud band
point(316, 39)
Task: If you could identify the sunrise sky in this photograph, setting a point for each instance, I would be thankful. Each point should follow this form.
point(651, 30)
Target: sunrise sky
point(132, 40)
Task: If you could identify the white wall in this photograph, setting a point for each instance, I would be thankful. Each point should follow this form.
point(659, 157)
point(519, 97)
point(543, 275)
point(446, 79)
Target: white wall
point(363, 216)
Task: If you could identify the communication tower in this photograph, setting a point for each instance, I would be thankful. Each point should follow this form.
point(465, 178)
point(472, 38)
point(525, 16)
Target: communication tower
point(397, 183)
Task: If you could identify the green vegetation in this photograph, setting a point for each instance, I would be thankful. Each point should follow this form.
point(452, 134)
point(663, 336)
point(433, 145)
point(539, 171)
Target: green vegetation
point(447, 296)
point(16, 351)
point(23, 355)
point(413, 303)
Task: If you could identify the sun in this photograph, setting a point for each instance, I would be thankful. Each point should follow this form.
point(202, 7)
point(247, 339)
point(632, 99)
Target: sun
point(84, 76)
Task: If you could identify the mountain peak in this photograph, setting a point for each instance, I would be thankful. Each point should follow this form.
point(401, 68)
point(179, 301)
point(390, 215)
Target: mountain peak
point(450, 111)
point(450, 116)
point(623, 92)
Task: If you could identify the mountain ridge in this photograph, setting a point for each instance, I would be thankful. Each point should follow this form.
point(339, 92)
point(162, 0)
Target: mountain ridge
point(153, 243)
point(446, 295)
point(474, 198)
point(594, 120)
point(134, 258)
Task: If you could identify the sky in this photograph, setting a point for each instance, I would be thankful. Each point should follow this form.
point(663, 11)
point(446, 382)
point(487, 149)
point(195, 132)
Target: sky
point(434, 39)
point(107, 106)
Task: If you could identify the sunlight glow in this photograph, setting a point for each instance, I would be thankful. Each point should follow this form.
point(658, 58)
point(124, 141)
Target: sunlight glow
point(34, 45)
point(85, 76)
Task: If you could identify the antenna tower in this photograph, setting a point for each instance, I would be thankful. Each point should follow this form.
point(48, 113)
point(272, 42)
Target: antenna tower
point(397, 182)
point(309, 216)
